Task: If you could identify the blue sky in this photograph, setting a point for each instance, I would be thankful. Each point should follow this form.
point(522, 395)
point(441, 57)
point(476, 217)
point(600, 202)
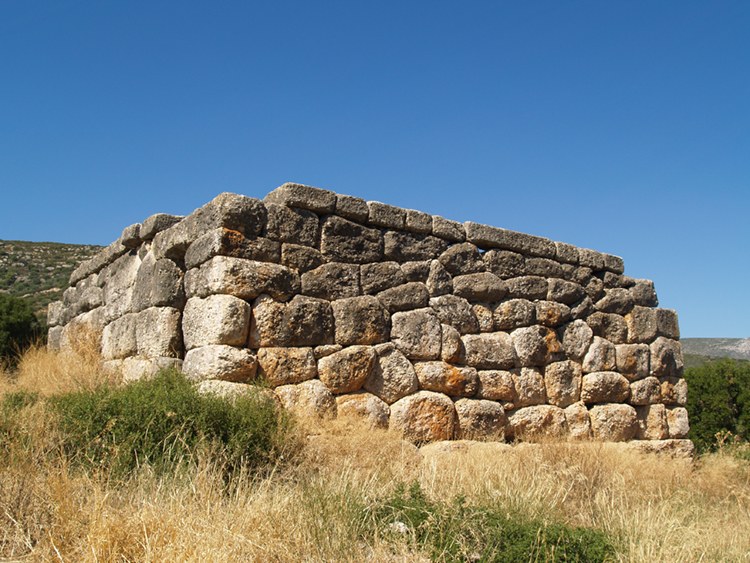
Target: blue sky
point(619, 126)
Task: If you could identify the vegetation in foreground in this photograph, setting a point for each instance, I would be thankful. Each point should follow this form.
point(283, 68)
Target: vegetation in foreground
point(80, 480)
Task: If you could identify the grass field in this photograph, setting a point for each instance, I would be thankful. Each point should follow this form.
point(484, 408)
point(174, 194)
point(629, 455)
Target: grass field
point(338, 491)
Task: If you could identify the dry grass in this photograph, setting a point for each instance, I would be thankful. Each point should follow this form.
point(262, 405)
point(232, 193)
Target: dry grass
point(656, 508)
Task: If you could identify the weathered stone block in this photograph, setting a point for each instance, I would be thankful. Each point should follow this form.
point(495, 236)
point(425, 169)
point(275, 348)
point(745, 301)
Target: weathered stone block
point(157, 223)
point(417, 334)
point(456, 312)
point(118, 338)
point(461, 259)
point(677, 422)
point(412, 295)
point(566, 253)
point(308, 399)
point(644, 294)
point(393, 376)
point(575, 338)
point(666, 358)
point(246, 279)
point(601, 356)
point(288, 224)
point(536, 345)
point(381, 276)
point(615, 300)
point(216, 319)
point(591, 259)
point(158, 333)
point(447, 229)
point(283, 366)
point(482, 286)
point(445, 378)
point(402, 246)
point(438, 282)
point(496, 385)
point(452, 348)
point(332, 281)
point(158, 283)
point(131, 236)
point(578, 421)
point(480, 420)
point(304, 321)
point(562, 381)
point(645, 391)
point(219, 362)
point(347, 370)
point(55, 313)
point(604, 387)
point(384, 215)
point(551, 314)
point(364, 406)
point(543, 267)
point(418, 222)
point(666, 323)
point(613, 423)
point(641, 324)
point(304, 197)
point(529, 386)
point(563, 291)
point(485, 236)
point(493, 350)
point(360, 320)
point(536, 422)
point(485, 316)
point(300, 258)
point(674, 391)
point(353, 208)
point(514, 313)
point(425, 416)
point(652, 422)
point(610, 326)
point(226, 242)
point(633, 360)
point(118, 279)
point(416, 271)
point(345, 241)
point(504, 263)
point(527, 287)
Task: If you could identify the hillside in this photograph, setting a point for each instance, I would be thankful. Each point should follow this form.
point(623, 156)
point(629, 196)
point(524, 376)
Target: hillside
point(39, 271)
point(736, 348)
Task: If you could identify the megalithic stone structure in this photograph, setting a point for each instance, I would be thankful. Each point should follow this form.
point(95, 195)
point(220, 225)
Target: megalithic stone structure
point(435, 328)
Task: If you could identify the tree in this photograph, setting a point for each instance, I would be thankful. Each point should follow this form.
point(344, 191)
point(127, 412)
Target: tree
point(19, 326)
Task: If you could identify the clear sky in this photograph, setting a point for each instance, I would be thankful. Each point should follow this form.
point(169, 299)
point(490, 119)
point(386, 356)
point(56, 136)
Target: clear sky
point(620, 126)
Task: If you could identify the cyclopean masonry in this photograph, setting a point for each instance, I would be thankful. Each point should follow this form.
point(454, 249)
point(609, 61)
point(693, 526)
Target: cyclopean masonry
point(438, 329)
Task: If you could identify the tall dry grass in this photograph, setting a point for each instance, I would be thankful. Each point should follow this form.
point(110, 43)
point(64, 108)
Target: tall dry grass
point(318, 509)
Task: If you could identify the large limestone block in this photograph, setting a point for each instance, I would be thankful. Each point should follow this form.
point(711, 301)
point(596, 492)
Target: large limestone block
point(674, 391)
point(578, 421)
point(216, 319)
point(345, 241)
point(231, 391)
point(456, 312)
point(157, 223)
point(616, 300)
point(351, 207)
point(645, 391)
point(666, 358)
point(158, 283)
point(514, 313)
point(575, 338)
point(402, 247)
point(393, 376)
point(504, 263)
point(246, 279)
point(448, 229)
point(666, 323)
point(332, 281)
point(536, 422)
point(99, 261)
point(681, 449)
point(301, 258)
point(364, 406)
point(529, 386)
point(417, 334)
point(418, 222)
point(296, 226)
point(551, 314)
point(220, 362)
point(384, 215)
point(360, 320)
point(482, 286)
point(493, 350)
point(677, 421)
point(480, 420)
point(644, 294)
point(381, 276)
point(135, 369)
point(563, 291)
point(347, 370)
point(486, 236)
point(536, 345)
point(445, 378)
point(484, 314)
point(55, 314)
point(460, 259)
point(118, 279)
point(497, 385)
point(308, 399)
point(304, 197)
point(633, 360)
point(652, 422)
point(158, 332)
point(544, 267)
point(439, 281)
point(416, 270)
point(601, 356)
point(562, 382)
point(303, 321)
point(527, 287)
point(54, 337)
point(425, 416)
point(452, 347)
point(118, 338)
point(642, 325)
point(226, 242)
point(604, 387)
point(413, 295)
point(613, 423)
point(283, 366)
point(609, 326)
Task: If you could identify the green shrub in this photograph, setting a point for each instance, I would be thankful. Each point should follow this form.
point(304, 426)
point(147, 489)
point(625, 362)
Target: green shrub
point(457, 532)
point(718, 401)
point(19, 326)
point(165, 422)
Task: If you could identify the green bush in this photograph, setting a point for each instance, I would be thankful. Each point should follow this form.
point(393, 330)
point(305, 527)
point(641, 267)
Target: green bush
point(457, 532)
point(164, 422)
point(19, 326)
point(718, 401)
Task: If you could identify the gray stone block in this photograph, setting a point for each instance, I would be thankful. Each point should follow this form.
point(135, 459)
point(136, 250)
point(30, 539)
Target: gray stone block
point(344, 241)
point(384, 215)
point(353, 208)
point(447, 229)
point(303, 197)
point(488, 237)
point(332, 281)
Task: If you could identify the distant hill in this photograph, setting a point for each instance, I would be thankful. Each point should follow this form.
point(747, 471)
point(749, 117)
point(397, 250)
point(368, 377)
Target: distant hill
point(39, 271)
point(736, 348)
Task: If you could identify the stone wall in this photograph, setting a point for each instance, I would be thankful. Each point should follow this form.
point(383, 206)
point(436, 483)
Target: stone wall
point(436, 328)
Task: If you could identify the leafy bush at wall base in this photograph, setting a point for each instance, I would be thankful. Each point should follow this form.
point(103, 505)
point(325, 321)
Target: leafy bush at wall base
point(457, 532)
point(164, 422)
point(718, 401)
point(19, 327)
